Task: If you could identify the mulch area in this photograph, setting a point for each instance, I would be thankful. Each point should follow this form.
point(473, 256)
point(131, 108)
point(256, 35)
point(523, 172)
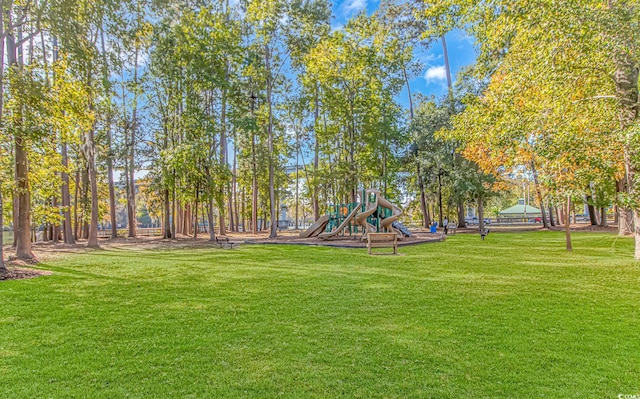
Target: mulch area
point(19, 273)
point(345, 241)
point(17, 269)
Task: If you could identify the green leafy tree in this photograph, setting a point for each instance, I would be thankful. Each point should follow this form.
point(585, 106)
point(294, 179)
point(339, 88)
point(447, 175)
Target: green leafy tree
point(553, 67)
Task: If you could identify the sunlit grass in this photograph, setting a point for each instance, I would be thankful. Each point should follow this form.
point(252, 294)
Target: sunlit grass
point(514, 316)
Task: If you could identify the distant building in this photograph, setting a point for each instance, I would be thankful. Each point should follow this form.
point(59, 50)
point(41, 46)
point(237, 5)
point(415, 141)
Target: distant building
point(521, 211)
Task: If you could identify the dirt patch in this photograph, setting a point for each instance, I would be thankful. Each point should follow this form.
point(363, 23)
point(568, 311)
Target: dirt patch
point(19, 273)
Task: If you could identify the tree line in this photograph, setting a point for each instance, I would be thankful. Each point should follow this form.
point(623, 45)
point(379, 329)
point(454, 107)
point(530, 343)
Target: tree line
point(192, 111)
point(194, 108)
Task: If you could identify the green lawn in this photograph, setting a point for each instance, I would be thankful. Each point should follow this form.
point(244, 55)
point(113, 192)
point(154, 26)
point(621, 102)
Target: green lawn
point(514, 316)
point(7, 237)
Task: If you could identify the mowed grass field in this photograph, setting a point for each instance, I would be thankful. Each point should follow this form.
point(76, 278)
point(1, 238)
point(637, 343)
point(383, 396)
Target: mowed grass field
point(514, 316)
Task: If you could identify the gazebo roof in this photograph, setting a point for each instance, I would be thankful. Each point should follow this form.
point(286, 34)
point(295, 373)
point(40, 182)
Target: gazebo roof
point(520, 209)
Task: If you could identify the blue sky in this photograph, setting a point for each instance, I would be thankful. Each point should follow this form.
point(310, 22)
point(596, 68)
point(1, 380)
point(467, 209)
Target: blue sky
point(432, 80)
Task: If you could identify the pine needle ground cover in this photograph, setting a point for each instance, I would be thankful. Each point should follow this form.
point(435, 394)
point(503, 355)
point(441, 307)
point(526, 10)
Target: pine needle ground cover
point(513, 316)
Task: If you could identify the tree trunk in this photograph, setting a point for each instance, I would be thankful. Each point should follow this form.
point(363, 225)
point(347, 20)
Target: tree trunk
point(22, 236)
point(233, 195)
point(167, 216)
point(179, 213)
point(626, 81)
point(265, 219)
point(272, 189)
point(131, 198)
point(406, 82)
point(592, 212)
point(185, 220)
point(195, 217)
point(174, 228)
point(447, 69)
point(16, 212)
point(112, 194)
point(536, 183)
point(460, 213)
point(93, 179)
point(223, 160)
point(603, 217)
point(562, 217)
point(212, 233)
point(567, 226)
point(232, 216)
point(202, 215)
point(244, 229)
point(636, 230)
point(230, 206)
point(56, 227)
point(3, 269)
point(439, 199)
point(67, 230)
point(481, 214)
point(384, 159)
point(86, 187)
point(237, 211)
point(423, 199)
point(623, 214)
point(76, 204)
point(254, 186)
point(297, 194)
point(316, 157)
point(130, 207)
point(552, 222)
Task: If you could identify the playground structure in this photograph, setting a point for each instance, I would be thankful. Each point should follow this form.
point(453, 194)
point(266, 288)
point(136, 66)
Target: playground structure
point(373, 214)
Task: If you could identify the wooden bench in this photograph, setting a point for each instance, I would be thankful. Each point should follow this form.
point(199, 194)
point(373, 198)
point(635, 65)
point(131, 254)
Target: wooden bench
point(224, 242)
point(382, 240)
point(451, 229)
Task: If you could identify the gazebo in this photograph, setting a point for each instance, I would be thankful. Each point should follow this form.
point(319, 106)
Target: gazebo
point(519, 213)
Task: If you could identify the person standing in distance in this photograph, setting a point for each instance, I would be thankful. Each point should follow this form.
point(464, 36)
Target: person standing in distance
point(445, 225)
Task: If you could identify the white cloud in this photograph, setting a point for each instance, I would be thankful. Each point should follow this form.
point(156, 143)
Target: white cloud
point(429, 58)
point(435, 73)
point(464, 37)
point(353, 5)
